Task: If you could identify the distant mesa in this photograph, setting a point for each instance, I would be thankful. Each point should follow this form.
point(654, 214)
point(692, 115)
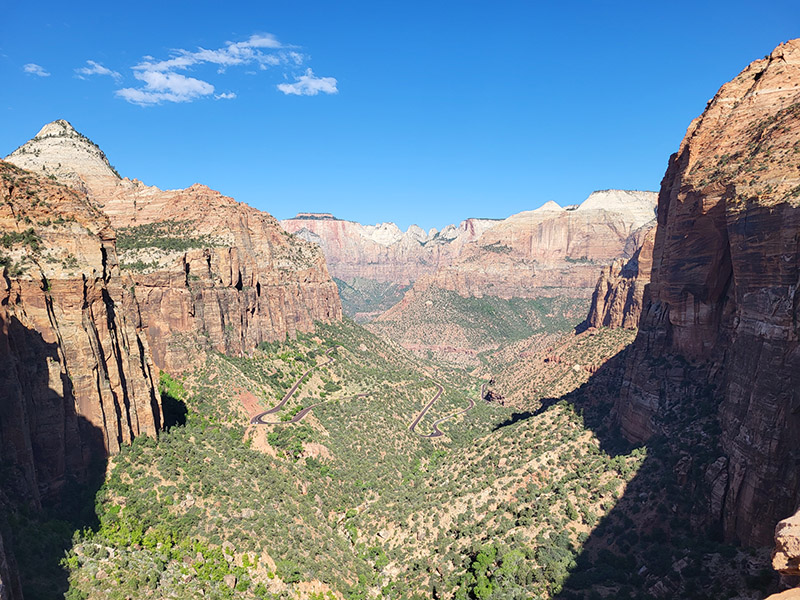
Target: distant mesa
point(309, 216)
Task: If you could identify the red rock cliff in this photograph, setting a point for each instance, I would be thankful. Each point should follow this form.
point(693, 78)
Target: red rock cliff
point(724, 297)
point(618, 295)
point(76, 379)
point(209, 272)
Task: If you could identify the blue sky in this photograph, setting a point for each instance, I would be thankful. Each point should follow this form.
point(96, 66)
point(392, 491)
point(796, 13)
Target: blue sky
point(413, 112)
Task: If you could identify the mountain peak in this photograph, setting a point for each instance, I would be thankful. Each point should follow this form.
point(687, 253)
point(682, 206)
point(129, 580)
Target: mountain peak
point(60, 150)
point(57, 128)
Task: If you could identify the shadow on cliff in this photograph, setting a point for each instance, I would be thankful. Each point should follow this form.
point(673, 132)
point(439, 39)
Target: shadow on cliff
point(656, 542)
point(53, 463)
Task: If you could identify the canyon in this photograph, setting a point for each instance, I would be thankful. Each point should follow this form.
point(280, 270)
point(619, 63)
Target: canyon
point(691, 347)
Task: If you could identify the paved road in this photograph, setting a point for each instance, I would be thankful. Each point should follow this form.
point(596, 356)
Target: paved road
point(436, 432)
point(259, 418)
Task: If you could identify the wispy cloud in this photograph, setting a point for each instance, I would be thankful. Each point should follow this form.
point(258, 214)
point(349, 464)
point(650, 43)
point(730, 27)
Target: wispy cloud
point(35, 69)
point(163, 80)
point(309, 85)
point(95, 68)
point(168, 79)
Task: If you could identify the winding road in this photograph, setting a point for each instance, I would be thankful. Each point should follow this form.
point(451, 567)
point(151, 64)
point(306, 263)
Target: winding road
point(436, 432)
point(259, 418)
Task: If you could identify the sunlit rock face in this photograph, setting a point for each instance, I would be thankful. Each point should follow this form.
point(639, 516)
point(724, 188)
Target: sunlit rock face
point(724, 296)
point(76, 376)
point(209, 272)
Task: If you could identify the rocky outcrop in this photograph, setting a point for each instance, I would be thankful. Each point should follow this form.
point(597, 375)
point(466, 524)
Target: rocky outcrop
point(618, 295)
point(786, 556)
point(720, 324)
point(208, 272)
point(76, 379)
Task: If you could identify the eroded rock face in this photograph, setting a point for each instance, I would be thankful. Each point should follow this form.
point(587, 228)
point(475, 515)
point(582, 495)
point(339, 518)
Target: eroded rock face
point(548, 251)
point(618, 295)
point(383, 252)
point(76, 378)
point(724, 295)
point(209, 272)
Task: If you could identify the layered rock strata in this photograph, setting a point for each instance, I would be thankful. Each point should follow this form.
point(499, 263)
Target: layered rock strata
point(550, 251)
point(723, 298)
point(618, 295)
point(76, 378)
point(209, 272)
point(383, 252)
point(544, 252)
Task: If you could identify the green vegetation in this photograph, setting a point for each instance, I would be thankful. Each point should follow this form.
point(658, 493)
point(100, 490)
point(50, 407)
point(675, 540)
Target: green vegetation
point(28, 237)
point(166, 235)
point(363, 299)
point(497, 248)
point(349, 502)
point(583, 260)
point(440, 318)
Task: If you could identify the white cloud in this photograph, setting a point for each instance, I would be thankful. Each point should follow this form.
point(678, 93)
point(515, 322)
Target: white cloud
point(163, 80)
point(35, 69)
point(96, 68)
point(309, 85)
point(165, 87)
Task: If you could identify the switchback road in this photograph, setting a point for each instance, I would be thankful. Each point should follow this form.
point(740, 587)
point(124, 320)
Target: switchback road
point(436, 432)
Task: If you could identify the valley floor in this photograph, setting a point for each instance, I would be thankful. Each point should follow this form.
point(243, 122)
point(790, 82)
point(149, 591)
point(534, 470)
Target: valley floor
point(346, 501)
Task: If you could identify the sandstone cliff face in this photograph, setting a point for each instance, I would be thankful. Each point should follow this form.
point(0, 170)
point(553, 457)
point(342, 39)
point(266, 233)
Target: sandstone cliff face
point(383, 252)
point(550, 251)
point(209, 272)
point(618, 295)
point(724, 297)
point(76, 379)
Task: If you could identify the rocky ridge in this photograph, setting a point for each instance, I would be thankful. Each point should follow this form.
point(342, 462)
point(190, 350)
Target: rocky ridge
point(209, 272)
point(720, 320)
point(548, 251)
point(383, 252)
point(543, 252)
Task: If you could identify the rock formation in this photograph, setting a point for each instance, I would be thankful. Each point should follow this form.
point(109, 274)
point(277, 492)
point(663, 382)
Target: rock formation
point(383, 252)
point(618, 295)
point(550, 251)
point(76, 379)
point(720, 324)
point(547, 251)
point(209, 272)
point(786, 556)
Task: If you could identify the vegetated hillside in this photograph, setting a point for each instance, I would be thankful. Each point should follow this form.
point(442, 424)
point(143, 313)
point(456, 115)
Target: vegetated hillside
point(540, 367)
point(365, 299)
point(348, 503)
point(446, 326)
